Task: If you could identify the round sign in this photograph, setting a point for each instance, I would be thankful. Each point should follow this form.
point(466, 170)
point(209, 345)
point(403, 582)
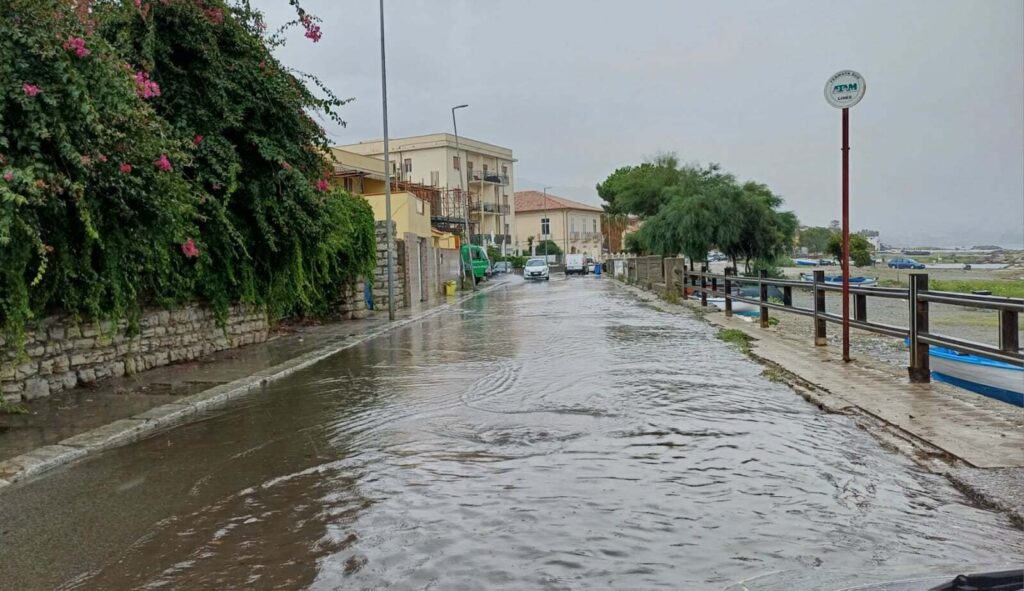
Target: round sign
point(845, 89)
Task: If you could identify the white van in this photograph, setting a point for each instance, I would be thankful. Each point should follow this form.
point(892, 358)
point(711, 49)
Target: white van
point(575, 264)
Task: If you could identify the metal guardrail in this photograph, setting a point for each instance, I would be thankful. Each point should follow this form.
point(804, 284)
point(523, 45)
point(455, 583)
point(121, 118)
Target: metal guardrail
point(918, 297)
point(479, 176)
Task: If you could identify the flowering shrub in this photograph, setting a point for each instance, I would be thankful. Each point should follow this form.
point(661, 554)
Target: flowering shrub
point(230, 209)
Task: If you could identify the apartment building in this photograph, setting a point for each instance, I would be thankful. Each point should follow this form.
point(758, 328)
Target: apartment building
point(479, 173)
point(575, 227)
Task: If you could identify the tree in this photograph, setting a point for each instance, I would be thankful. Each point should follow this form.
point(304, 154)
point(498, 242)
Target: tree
point(860, 249)
point(815, 239)
point(550, 245)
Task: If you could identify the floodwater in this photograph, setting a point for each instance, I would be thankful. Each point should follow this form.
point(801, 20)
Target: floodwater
point(556, 435)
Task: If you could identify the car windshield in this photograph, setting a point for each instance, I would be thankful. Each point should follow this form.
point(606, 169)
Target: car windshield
point(535, 263)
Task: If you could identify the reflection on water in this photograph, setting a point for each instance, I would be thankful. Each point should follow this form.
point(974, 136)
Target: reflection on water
point(551, 436)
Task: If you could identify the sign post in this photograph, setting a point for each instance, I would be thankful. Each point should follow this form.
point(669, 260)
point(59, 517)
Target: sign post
point(844, 90)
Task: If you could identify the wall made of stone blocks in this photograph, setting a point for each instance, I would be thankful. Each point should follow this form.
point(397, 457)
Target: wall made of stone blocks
point(60, 354)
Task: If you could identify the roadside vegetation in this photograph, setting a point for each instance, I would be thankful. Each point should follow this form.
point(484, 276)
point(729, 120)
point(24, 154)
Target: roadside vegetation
point(692, 210)
point(1009, 289)
point(154, 153)
point(735, 337)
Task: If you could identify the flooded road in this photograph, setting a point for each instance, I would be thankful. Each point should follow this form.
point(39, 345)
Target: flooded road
point(541, 436)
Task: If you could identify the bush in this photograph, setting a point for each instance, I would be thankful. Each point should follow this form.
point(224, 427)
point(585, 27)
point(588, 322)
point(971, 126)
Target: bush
point(157, 154)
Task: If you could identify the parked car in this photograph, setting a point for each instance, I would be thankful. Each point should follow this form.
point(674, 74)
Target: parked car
point(902, 263)
point(536, 269)
point(589, 266)
point(502, 267)
point(575, 265)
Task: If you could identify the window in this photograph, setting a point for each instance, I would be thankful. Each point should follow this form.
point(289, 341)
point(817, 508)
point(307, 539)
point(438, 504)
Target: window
point(504, 170)
point(455, 163)
point(419, 206)
point(485, 170)
point(407, 165)
point(348, 184)
point(545, 226)
point(469, 169)
point(572, 224)
point(435, 178)
point(595, 226)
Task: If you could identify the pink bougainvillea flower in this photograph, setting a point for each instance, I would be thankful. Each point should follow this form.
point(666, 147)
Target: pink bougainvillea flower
point(102, 157)
point(322, 185)
point(312, 29)
point(8, 176)
point(162, 163)
point(138, 3)
point(125, 167)
point(263, 65)
point(190, 249)
point(215, 15)
point(144, 87)
point(77, 46)
point(285, 165)
point(30, 89)
point(197, 140)
point(47, 248)
point(85, 159)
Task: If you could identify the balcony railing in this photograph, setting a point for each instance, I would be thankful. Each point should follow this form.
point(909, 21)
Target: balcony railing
point(489, 207)
point(479, 176)
point(487, 239)
point(584, 236)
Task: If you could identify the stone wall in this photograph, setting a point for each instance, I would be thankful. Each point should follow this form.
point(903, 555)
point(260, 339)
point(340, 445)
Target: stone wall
point(60, 354)
point(380, 273)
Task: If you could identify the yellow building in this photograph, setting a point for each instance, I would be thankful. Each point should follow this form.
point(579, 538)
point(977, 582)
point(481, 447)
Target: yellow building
point(575, 227)
point(484, 171)
point(364, 175)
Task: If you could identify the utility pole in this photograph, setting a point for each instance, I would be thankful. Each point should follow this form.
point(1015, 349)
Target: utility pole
point(465, 200)
point(387, 172)
point(546, 236)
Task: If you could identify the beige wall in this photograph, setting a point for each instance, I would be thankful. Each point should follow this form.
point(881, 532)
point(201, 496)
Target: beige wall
point(570, 228)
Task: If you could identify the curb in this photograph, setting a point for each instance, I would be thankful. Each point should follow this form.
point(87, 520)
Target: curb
point(124, 431)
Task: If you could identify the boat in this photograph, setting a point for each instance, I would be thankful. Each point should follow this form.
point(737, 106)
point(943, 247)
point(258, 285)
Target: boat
point(995, 379)
point(739, 308)
point(806, 262)
point(838, 280)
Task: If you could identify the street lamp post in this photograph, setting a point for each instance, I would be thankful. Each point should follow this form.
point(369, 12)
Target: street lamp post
point(465, 201)
point(387, 172)
point(549, 225)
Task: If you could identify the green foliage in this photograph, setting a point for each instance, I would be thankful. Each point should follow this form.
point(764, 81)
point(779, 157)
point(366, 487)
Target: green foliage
point(234, 213)
point(815, 239)
point(1008, 289)
point(691, 210)
point(550, 245)
point(735, 337)
point(860, 249)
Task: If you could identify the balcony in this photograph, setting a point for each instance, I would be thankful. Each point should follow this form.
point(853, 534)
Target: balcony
point(489, 177)
point(489, 207)
point(585, 236)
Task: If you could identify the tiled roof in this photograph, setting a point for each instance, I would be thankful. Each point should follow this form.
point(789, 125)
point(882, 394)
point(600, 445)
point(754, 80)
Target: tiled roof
point(535, 201)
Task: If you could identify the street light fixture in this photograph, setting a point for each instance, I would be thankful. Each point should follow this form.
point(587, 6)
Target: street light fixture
point(465, 198)
point(387, 172)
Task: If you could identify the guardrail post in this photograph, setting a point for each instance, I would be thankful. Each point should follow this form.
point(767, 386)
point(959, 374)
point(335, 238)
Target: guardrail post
point(714, 286)
point(703, 286)
point(860, 307)
point(1009, 340)
point(728, 291)
point(787, 295)
point(820, 336)
point(920, 368)
point(761, 276)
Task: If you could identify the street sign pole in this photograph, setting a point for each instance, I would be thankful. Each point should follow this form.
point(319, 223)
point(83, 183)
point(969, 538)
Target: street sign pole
point(844, 90)
point(846, 234)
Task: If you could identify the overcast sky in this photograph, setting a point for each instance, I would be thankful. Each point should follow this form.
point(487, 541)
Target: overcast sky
point(577, 88)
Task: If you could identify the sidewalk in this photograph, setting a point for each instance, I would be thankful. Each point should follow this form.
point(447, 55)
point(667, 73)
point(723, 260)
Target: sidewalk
point(982, 438)
point(64, 427)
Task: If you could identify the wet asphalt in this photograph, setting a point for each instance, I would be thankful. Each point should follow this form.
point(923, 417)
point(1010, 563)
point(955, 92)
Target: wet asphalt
point(553, 435)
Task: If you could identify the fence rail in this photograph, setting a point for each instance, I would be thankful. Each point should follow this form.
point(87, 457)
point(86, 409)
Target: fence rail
point(918, 297)
point(674, 274)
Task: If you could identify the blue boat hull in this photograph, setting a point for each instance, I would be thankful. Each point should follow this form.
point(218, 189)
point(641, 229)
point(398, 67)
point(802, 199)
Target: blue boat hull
point(994, 379)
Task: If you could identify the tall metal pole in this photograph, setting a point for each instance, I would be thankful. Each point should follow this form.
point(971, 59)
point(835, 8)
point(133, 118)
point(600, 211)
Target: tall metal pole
point(466, 270)
point(549, 225)
point(387, 172)
point(846, 234)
